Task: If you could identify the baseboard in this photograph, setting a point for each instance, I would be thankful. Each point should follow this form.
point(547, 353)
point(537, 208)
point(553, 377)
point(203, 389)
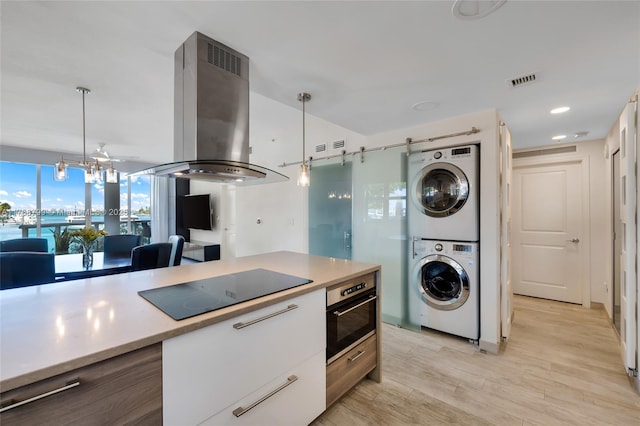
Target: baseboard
point(490, 347)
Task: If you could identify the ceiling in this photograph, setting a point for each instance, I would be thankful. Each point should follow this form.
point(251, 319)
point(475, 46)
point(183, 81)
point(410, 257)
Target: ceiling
point(365, 63)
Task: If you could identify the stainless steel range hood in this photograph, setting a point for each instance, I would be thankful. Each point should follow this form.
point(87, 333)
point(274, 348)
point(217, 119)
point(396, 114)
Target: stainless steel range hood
point(211, 116)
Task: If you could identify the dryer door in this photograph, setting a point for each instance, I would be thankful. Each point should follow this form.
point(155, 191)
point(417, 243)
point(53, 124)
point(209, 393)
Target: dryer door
point(443, 282)
point(440, 190)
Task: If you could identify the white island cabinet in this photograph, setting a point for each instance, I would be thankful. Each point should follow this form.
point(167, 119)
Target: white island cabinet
point(262, 367)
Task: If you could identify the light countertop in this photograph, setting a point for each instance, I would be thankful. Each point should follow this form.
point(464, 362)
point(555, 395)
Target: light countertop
point(49, 329)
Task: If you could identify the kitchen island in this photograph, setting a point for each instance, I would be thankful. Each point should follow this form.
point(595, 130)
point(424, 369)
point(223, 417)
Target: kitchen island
point(55, 329)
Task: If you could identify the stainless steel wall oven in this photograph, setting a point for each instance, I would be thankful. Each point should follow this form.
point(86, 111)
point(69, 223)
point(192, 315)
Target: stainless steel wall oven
point(351, 316)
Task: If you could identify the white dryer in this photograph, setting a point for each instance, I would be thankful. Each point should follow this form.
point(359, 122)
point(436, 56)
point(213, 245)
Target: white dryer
point(444, 192)
point(445, 276)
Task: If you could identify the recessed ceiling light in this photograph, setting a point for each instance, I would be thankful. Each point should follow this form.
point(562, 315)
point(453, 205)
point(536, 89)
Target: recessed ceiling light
point(475, 9)
point(560, 110)
point(580, 134)
point(559, 137)
point(425, 105)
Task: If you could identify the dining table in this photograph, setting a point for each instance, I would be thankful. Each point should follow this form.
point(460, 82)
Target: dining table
point(69, 266)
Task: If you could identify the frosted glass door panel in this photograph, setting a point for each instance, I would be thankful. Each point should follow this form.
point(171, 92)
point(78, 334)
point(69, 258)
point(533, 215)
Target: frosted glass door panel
point(379, 231)
point(330, 211)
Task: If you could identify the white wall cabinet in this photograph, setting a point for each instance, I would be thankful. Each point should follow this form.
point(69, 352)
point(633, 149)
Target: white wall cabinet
point(210, 369)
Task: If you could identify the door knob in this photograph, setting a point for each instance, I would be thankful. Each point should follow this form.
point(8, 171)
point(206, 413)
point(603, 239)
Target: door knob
point(574, 240)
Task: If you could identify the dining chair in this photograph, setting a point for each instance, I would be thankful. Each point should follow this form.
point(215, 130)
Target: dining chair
point(25, 244)
point(150, 256)
point(120, 245)
point(177, 243)
point(26, 268)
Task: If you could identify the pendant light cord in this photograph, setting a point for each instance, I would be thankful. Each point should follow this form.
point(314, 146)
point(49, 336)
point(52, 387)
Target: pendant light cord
point(84, 91)
point(84, 145)
point(304, 144)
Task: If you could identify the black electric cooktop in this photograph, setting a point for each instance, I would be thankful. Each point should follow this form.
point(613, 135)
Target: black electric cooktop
point(193, 298)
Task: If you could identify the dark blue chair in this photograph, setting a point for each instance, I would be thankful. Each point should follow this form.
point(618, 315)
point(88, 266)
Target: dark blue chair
point(26, 268)
point(120, 245)
point(25, 244)
point(177, 244)
point(150, 256)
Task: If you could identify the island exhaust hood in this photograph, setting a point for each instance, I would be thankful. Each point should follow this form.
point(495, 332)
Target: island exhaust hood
point(211, 117)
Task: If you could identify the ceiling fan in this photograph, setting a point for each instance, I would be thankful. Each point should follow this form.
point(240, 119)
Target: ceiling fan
point(101, 155)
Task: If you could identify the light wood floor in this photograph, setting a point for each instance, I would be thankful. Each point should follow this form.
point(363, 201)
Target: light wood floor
point(562, 365)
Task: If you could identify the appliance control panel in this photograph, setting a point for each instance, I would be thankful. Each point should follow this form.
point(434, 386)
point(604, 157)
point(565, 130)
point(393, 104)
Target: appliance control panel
point(351, 288)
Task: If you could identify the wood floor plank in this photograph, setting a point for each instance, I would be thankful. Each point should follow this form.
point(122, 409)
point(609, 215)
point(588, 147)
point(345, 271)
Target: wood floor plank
point(561, 366)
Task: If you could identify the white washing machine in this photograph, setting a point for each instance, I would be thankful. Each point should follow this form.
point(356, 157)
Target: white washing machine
point(445, 276)
point(444, 192)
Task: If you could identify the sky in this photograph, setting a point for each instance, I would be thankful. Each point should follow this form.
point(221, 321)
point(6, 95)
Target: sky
point(18, 188)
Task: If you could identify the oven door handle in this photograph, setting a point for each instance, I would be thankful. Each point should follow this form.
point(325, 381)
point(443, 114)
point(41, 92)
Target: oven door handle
point(339, 314)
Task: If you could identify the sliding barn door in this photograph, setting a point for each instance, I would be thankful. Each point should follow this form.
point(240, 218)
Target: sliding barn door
point(628, 186)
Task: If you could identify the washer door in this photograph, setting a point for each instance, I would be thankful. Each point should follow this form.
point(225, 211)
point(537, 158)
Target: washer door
point(440, 190)
point(443, 282)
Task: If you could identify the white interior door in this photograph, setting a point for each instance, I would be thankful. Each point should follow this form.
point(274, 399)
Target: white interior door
point(628, 218)
point(506, 290)
point(548, 234)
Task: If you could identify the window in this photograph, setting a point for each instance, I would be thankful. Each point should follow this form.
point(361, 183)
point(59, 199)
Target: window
point(62, 205)
point(135, 210)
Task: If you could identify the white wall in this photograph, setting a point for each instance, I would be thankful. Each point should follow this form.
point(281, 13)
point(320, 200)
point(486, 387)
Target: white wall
point(281, 207)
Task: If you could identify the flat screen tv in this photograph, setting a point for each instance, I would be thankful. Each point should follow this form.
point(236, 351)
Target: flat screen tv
point(196, 211)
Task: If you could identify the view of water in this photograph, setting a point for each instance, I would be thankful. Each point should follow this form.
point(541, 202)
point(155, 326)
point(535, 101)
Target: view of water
point(12, 230)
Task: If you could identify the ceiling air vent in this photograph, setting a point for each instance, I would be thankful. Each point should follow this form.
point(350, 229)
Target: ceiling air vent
point(524, 80)
point(338, 144)
point(321, 148)
point(223, 59)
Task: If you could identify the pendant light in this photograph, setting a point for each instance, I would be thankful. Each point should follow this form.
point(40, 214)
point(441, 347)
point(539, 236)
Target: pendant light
point(60, 172)
point(111, 176)
point(92, 170)
point(304, 179)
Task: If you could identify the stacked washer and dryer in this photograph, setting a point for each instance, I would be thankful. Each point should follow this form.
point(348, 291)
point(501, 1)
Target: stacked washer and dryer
point(444, 230)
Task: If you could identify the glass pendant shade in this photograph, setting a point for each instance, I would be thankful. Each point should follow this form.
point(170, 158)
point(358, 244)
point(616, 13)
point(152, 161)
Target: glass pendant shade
point(60, 171)
point(92, 173)
point(96, 170)
point(88, 175)
point(111, 176)
point(304, 179)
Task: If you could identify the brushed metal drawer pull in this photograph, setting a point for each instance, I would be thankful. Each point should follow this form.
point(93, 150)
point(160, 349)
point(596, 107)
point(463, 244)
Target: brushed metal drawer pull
point(356, 356)
point(240, 410)
point(339, 314)
point(69, 385)
point(240, 325)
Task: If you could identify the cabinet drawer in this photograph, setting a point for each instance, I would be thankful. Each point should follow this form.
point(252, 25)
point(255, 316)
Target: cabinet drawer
point(126, 389)
point(210, 368)
point(349, 369)
point(288, 403)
